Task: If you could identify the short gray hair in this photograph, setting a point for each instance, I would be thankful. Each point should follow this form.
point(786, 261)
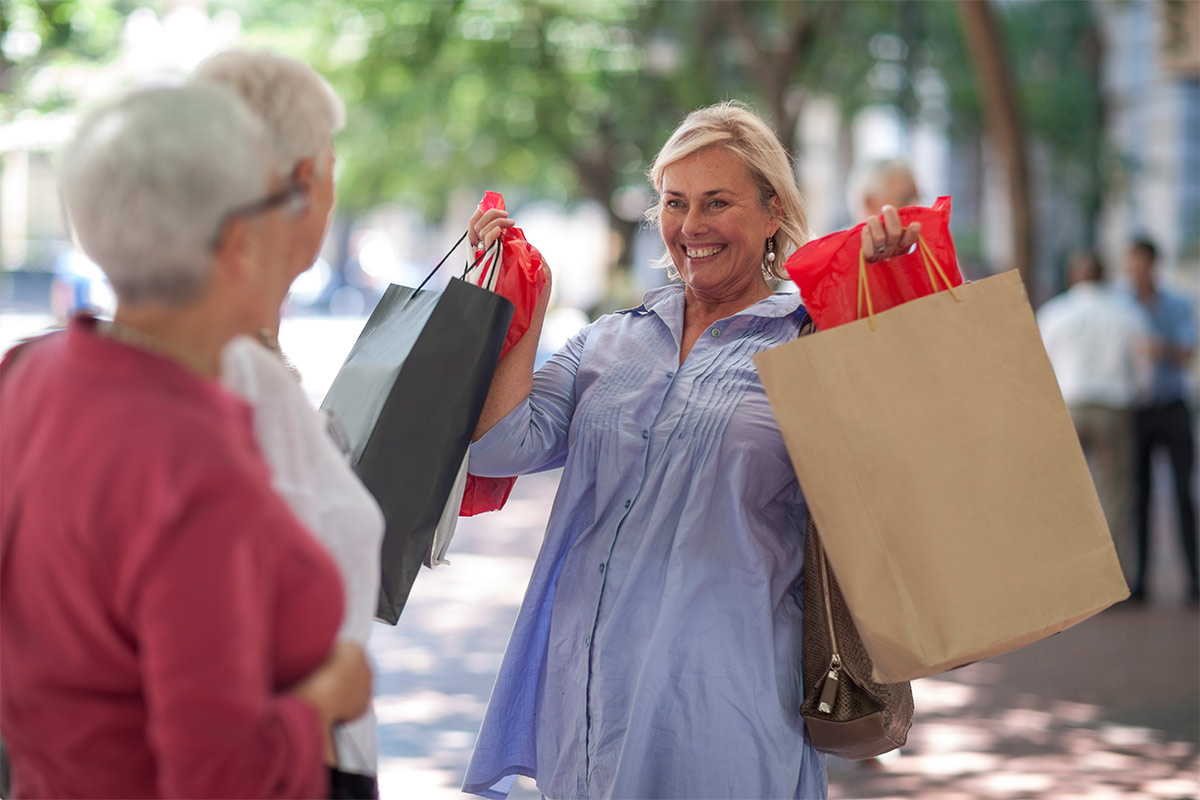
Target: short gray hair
point(872, 179)
point(734, 127)
point(873, 176)
point(299, 107)
point(148, 178)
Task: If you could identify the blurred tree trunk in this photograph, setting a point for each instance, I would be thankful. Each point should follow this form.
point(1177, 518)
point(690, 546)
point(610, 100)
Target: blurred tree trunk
point(772, 57)
point(5, 64)
point(1092, 56)
point(598, 177)
point(1004, 125)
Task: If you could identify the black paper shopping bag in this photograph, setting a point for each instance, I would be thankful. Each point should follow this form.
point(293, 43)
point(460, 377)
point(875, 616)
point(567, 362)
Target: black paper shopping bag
point(407, 400)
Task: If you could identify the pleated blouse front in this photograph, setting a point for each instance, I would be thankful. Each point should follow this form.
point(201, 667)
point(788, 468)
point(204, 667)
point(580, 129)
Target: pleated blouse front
point(657, 650)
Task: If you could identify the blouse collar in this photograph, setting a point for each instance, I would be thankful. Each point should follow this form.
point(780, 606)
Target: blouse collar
point(658, 301)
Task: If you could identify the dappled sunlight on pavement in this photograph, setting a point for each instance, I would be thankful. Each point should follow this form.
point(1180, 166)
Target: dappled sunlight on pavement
point(435, 669)
point(1021, 754)
point(1106, 709)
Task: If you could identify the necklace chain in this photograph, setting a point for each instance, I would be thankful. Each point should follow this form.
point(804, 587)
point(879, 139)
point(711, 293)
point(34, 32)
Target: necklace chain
point(150, 344)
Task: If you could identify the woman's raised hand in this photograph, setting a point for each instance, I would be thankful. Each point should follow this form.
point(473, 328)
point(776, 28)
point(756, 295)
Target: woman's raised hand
point(486, 226)
point(884, 236)
point(513, 379)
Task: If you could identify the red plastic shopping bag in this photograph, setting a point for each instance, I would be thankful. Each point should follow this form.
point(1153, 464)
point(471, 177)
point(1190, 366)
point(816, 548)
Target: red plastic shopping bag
point(521, 278)
point(522, 281)
point(834, 283)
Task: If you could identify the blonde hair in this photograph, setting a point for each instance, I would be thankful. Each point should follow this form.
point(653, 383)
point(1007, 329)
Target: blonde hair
point(733, 126)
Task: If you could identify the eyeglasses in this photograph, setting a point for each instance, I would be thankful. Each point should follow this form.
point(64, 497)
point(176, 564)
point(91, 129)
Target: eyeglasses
point(293, 197)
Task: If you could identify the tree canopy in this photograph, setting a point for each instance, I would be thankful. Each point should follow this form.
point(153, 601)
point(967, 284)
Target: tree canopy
point(570, 99)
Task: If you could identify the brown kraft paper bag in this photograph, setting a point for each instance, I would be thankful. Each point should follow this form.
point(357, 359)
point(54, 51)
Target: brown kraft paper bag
point(941, 466)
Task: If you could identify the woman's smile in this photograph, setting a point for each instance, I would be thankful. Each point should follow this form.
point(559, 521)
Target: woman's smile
point(700, 252)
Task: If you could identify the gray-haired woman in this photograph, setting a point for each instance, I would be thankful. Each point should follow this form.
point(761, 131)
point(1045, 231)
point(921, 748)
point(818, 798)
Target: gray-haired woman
point(658, 649)
point(167, 626)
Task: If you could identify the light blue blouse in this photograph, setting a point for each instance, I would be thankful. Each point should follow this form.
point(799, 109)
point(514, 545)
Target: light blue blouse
point(1173, 321)
point(657, 651)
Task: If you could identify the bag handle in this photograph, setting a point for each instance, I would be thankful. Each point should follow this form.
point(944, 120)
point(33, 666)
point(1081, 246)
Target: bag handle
point(490, 273)
point(469, 267)
point(927, 258)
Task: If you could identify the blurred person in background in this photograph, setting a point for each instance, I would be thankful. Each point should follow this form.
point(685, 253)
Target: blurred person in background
point(1098, 344)
point(302, 113)
point(888, 182)
point(167, 625)
point(1163, 420)
point(657, 652)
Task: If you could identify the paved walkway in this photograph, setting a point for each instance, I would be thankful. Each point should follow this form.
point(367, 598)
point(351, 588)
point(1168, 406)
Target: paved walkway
point(1108, 709)
point(436, 667)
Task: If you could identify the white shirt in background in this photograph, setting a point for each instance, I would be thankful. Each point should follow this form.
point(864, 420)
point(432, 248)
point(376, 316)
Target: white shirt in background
point(313, 476)
point(1097, 340)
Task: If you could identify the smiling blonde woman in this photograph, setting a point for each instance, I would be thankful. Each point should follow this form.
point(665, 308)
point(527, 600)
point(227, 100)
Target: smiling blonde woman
point(658, 649)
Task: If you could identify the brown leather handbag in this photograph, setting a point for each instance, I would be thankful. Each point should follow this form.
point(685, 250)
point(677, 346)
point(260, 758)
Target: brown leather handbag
point(847, 714)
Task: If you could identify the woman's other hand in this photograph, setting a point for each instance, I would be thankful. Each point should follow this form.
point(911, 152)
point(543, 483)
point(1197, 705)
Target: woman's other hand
point(339, 689)
point(486, 226)
point(884, 237)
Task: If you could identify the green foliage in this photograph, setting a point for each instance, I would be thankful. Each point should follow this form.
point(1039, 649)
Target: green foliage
point(548, 98)
point(1056, 70)
point(567, 99)
point(563, 100)
point(40, 34)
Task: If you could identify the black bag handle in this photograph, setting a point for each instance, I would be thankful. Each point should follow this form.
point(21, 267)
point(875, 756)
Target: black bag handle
point(432, 272)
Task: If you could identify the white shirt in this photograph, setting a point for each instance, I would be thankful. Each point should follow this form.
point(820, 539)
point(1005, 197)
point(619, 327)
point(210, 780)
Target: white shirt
point(313, 476)
point(1097, 342)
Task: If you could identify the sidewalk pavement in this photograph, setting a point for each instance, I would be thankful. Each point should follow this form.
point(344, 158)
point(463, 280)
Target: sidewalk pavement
point(1107, 709)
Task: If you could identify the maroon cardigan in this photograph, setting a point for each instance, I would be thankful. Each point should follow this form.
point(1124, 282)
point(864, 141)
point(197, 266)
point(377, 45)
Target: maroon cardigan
point(157, 598)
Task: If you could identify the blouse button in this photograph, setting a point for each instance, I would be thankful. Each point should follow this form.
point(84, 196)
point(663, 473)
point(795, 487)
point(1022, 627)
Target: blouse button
point(716, 333)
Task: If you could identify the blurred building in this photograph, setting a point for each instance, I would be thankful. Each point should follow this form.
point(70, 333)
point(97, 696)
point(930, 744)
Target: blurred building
point(1151, 79)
